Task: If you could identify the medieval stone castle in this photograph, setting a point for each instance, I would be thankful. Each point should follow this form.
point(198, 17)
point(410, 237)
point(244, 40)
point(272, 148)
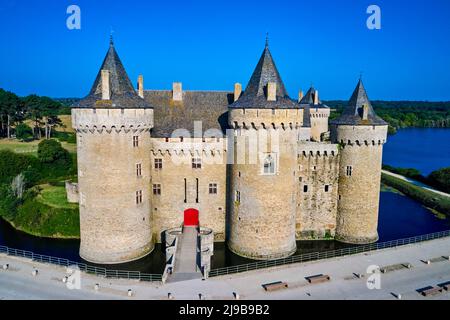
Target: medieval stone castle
point(258, 168)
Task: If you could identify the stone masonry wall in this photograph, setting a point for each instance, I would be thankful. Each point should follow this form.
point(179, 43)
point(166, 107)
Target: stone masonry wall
point(317, 188)
point(168, 208)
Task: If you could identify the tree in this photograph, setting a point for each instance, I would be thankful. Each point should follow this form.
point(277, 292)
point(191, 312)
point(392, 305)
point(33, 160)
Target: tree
point(18, 185)
point(23, 132)
point(51, 150)
point(441, 179)
point(33, 110)
point(11, 110)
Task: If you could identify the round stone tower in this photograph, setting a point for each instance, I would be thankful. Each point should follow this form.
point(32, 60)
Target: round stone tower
point(262, 202)
point(361, 135)
point(113, 141)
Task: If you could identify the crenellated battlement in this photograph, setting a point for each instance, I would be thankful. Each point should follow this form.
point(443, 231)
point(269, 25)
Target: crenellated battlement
point(264, 119)
point(319, 113)
point(314, 149)
point(359, 135)
point(112, 120)
point(209, 147)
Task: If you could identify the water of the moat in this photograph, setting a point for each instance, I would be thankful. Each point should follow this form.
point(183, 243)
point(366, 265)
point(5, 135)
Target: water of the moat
point(400, 217)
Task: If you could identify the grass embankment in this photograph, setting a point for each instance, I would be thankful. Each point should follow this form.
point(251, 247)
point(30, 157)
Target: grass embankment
point(429, 199)
point(42, 208)
point(48, 214)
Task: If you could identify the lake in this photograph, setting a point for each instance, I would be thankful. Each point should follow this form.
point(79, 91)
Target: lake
point(421, 148)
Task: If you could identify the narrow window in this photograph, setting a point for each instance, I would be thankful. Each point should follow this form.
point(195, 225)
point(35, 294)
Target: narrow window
point(327, 188)
point(305, 188)
point(135, 141)
point(139, 197)
point(157, 189)
point(158, 164)
point(139, 170)
point(167, 139)
point(196, 163)
point(238, 196)
point(185, 190)
point(273, 111)
point(196, 199)
point(349, 171)
point(213, 188)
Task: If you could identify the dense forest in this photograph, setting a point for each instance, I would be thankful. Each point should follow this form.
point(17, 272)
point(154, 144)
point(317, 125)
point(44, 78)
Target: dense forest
point(403, 114)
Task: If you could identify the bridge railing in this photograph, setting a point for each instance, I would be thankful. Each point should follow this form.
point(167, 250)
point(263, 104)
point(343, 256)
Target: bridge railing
point(98, 271)
point(326, 254)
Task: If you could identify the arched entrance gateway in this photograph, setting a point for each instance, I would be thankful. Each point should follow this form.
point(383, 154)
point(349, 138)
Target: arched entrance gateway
point(191, 218)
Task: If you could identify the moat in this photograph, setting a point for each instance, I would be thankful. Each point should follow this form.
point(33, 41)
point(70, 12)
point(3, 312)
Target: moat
point(411, 220)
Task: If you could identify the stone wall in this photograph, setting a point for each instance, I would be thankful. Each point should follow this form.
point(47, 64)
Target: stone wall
point(317, 188)
point(72, 192)
point(114, 227)
point(359, 193)
point(178, 182)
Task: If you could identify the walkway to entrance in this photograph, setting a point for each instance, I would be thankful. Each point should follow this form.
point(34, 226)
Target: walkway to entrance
point(186, 256)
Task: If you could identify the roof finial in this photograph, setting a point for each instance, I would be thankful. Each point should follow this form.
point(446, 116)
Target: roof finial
point(360, 75)
point(267, 40)
point(111, 40)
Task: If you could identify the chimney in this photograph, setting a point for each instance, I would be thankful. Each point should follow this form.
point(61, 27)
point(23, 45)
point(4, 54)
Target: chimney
point(237, 91)
point(272, 91)
point(300, 96)
point(316, 97)
point(365, 114)
point(106, 92)
point(141, 86)
point(177, 92)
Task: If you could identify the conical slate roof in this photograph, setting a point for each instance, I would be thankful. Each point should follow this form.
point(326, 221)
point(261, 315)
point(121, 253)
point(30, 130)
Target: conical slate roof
point(308, 98)
point(123, 94)
point(255, 95)
point(353, 113)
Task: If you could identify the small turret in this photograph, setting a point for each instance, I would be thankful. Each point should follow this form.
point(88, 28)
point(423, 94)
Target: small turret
point(317, 114)
point(361, 135)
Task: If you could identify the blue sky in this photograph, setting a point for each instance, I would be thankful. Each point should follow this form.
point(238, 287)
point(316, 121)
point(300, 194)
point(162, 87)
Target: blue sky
point(210, 45)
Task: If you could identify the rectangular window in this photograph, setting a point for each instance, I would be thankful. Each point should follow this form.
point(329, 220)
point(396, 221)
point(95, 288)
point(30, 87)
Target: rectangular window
point(327, 188)
point(135, 141)
point(238, 196)
point(213, 188)
point(269, 165)
point(158, 164)
point(305, 188)
point(139, 197)
point(196, 163)
point(139, 170)
point(157, 189)
point(349, 171)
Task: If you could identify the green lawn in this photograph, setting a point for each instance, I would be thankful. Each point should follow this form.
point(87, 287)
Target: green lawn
point(30, 147)
point(55, 196)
